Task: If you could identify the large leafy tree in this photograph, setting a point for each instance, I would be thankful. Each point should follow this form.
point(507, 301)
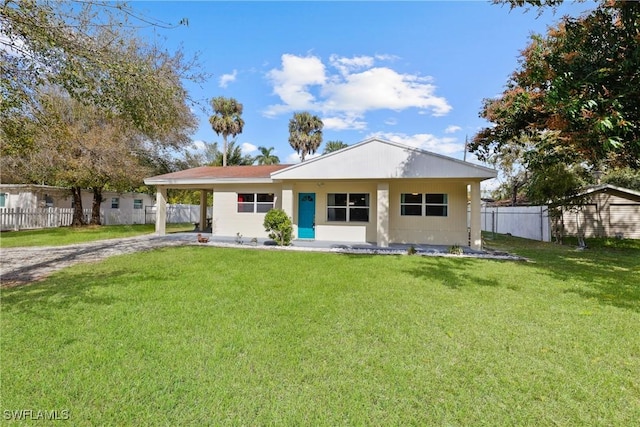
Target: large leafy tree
point(226, 120)
point(81, 88)
point(90, 50)
point(305, 133)
point(78, 147)
point(575, 99)
point(266, 156)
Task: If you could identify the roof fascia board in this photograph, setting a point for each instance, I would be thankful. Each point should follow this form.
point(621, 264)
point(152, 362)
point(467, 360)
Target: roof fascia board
point(204, 181)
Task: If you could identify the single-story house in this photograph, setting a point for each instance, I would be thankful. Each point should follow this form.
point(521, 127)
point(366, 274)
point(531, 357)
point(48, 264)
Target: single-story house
point(374, 191)
point(116, 208)
point(603, 211)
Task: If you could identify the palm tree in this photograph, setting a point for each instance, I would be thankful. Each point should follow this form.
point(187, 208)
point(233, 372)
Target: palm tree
point(234, 156)
point(226, 120)
point(331, 146)
point(305, 133)
point(266, 157)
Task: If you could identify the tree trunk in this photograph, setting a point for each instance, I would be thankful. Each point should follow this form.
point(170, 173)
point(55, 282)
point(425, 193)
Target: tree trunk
point(95, 208)
point(78, 214)
point(224, 151)
point(514, 194)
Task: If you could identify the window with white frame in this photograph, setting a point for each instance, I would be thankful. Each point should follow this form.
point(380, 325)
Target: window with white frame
point(255, 202)
point(3, 200)
point(115, 203)
point(137, 203)
point(348, 207)
point(430, 204)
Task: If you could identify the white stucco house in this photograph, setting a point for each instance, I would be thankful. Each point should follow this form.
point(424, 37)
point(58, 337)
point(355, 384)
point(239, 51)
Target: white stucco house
point(375, 191)
point(116, 208)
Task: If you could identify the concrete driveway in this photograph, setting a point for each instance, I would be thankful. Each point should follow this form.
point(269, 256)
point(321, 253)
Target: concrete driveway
point(29, 264)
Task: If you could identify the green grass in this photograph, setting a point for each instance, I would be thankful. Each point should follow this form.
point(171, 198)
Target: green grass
point(70, 235)
point(209, 336)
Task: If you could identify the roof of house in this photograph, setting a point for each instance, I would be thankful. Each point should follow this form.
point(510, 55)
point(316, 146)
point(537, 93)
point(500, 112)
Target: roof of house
point(214, 174)
point(376, 158)
point(31, 187)
point(605, 188)
point(370, 159)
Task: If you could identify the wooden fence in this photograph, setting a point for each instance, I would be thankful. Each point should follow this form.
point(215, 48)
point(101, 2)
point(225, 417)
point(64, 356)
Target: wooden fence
point(20, 218)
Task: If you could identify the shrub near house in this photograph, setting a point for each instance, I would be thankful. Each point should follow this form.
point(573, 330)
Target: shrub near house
point(279, 227)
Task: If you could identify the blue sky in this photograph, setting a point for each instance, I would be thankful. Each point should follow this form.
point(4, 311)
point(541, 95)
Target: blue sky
point(413, 72)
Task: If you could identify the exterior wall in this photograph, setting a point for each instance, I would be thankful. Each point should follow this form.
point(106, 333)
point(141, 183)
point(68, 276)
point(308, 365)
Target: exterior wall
point(624, 220)
point(32, 197)
point(607, 215)
point(588, 217)
point(126, 213)
point(339, 231)
point(227, 221)
point(448, 230)
point(24, 200)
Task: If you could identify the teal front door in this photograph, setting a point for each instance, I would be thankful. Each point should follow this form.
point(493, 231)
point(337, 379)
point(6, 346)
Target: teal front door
point(307, 216)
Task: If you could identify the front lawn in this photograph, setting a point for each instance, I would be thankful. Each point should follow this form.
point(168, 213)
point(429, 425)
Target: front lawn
point(207, 336)
point(60, 236)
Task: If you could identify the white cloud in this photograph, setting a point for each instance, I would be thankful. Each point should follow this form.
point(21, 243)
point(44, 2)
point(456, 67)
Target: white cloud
point(346, 65)
point(225, 79)
point(198, 145)
point(391, 121)
point(353, 89)
point(344, 123)
point(383, 88)
point(452, 129)
point(247, 148)
point(291, 83)
point(425, 141)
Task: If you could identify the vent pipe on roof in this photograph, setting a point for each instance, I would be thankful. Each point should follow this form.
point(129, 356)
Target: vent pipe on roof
point(464, 156)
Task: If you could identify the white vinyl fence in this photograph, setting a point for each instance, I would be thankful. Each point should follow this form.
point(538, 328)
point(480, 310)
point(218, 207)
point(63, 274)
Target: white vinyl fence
point(177, 214)
point(530, 222)
point(20, 218)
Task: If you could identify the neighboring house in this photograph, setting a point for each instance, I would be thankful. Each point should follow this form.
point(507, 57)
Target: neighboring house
point(116, 208)
point(603, 211)
point(374, 191)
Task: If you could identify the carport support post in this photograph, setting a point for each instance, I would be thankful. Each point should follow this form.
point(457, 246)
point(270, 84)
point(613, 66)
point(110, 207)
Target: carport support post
point(382, 223)
point(475, 228)
point(286, 204)
point(161, 211)
point(203, 210)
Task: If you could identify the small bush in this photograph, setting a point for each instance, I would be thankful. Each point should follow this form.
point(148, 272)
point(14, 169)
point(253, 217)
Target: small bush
point(455, 250)
point(411, 250)
point(279, 226)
